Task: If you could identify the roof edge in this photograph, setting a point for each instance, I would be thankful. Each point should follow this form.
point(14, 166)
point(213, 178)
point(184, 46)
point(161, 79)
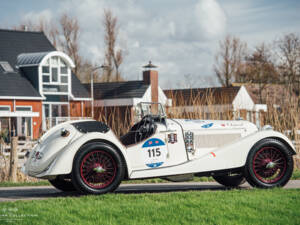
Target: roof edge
point(22, 98)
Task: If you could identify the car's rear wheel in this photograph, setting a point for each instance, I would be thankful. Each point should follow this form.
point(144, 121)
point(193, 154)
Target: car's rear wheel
point(269, 164)
point(97, 169)
point(62, 184)
point(230, 180)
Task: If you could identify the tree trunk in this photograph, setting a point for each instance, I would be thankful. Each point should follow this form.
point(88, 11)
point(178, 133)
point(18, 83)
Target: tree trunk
point(13, 160)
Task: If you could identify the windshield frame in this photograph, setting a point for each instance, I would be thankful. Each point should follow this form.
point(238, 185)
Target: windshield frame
point(146, 110)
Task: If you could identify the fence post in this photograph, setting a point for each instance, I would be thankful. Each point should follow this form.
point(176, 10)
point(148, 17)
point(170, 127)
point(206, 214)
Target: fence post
point(13, 160)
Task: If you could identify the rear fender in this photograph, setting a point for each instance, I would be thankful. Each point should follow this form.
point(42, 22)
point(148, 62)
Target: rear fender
point(63, 163)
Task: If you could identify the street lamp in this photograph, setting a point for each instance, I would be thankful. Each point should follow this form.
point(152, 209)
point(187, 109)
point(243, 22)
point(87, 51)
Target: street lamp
point(92, 84)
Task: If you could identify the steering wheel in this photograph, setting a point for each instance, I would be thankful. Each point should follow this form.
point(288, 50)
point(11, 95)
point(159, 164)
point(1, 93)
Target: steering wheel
point(146, 127)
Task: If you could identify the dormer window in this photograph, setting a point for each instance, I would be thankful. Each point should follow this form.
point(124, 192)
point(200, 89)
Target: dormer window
point(55, 71)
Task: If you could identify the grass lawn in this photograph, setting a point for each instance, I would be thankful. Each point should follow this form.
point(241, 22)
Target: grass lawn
point(277, 206)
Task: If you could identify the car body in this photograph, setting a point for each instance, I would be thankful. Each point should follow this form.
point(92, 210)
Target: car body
point(87, 156)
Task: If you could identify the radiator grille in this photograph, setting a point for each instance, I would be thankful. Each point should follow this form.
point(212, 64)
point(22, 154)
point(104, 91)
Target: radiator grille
point(214, 140)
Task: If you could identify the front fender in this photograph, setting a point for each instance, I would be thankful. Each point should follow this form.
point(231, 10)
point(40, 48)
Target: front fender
point(63, 163)
point(238, 158)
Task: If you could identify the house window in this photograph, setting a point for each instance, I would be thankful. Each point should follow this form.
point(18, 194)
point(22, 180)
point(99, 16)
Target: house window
point(45, 69)
point(24, 108)
point(54, 77)
point(4, 108)
point(64, 79)
point(46, 79)
point(55, 71)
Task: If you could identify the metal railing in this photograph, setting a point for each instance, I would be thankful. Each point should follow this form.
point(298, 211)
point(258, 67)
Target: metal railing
point(22, 148)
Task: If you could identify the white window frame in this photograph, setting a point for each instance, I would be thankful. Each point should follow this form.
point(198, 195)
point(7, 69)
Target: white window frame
point(59, 74)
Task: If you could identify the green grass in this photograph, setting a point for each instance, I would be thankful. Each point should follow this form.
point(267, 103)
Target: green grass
point(19, 184)
point(296, 175)
point(277, 206)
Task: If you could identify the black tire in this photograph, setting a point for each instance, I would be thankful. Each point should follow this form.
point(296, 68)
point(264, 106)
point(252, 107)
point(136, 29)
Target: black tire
point(269, 164)
point(102, 157)
point(229, 180)
point(62, 184)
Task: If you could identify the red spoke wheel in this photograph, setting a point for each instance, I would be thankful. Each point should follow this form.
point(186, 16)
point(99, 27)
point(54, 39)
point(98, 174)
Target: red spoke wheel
point(98, 168)
point(269, 164)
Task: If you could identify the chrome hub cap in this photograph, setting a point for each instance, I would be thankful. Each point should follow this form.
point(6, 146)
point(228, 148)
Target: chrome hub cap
point(99, 169)
point(271, 165)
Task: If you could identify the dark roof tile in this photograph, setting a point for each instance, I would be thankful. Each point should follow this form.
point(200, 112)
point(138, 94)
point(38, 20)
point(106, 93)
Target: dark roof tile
point(13, 84)
point(13, 43)
point(114, 90)
point(78, 89)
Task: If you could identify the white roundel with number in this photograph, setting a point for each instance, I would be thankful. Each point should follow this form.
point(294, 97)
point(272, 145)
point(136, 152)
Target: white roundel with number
point(155, 152)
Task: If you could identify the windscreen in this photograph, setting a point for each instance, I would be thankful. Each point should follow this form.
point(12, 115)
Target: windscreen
point(149, 108)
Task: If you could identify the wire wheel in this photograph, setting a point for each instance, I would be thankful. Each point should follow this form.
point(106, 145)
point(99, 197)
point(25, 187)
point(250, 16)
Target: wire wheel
point(98, 169)
point(269, 164)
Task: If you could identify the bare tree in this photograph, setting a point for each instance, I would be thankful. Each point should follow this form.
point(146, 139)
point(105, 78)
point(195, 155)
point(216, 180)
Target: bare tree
point(113, 55)
point(229, 60)
point(70, 43)
point(289, 63)
point(260, 68)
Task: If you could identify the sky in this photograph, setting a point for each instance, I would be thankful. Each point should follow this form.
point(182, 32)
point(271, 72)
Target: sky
point(181, 37)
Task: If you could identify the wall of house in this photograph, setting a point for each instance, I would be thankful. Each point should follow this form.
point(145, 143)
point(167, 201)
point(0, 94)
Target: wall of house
point(243, 101)
point(36, 107)
point(78, 109)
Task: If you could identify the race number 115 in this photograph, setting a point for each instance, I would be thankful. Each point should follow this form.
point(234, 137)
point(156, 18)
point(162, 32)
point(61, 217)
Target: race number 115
point(154, 152)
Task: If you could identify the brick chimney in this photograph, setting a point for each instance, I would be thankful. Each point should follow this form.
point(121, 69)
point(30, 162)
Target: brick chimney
point(150, 77)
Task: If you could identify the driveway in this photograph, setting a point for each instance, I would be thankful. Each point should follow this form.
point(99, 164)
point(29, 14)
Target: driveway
point(44, 192)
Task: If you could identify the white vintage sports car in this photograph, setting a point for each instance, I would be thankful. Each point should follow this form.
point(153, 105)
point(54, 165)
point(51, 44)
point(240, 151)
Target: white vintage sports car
point(87, 156)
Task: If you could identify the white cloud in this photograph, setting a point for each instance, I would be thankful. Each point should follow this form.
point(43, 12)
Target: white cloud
point(177, 37)
point(46, 15)
point(211, 17)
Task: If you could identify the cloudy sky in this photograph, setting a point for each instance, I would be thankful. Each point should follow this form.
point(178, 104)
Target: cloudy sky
point(180, 36)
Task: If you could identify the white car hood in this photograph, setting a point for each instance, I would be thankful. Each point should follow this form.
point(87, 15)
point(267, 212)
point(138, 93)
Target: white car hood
point(216, 125)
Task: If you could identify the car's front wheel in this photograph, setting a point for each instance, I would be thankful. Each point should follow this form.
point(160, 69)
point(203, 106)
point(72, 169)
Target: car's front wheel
point(269, 164)
point(230, 180)
point(97, 169)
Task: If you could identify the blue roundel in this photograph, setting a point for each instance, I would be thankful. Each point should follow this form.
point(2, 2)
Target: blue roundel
point(153, 142)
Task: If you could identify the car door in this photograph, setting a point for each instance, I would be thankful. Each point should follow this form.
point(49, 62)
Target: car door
point(160, 150)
